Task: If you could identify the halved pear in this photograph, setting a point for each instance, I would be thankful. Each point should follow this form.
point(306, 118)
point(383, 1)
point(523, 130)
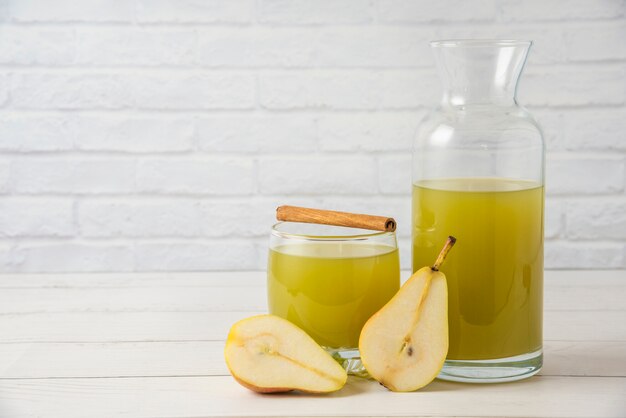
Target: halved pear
point(266, 353)
point(405, 343)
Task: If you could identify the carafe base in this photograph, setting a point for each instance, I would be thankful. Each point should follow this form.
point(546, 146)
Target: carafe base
point(498, 370)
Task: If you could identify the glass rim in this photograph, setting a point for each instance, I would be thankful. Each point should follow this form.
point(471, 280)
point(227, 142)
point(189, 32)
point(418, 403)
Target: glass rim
point(320, 237)
point(453, 43)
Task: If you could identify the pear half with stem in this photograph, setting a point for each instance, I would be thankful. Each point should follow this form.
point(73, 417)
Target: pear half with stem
point(266, 353)
point(405, 343)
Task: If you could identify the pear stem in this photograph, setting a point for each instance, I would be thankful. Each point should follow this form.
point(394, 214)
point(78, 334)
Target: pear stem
point(444, 252)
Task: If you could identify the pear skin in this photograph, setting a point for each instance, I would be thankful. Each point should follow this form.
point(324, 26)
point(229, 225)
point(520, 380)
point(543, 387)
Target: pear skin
point(266, 353)
point(405, 343)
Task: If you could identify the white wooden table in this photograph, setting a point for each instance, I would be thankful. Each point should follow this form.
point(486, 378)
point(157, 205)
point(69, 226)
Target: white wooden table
point(135, 345)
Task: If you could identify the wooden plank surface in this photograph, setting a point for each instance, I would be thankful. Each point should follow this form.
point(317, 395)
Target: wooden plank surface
point(247, 278)
point(240, 291)
point(151, 345)
point(205, 358)
point(221, 396)
point(184, 326)
point(117, 326)
point(135, 299)
point(206, 298)
point(128, 280)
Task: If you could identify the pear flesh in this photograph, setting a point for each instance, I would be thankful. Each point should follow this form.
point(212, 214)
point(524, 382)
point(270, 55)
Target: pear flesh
point(266, 353)
point(404, 344)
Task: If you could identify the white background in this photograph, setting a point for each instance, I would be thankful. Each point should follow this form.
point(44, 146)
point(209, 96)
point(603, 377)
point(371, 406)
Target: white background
point(162, 134)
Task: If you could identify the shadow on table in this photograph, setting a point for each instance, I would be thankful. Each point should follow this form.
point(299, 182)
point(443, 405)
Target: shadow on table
point(438, 385)
point(358, 385)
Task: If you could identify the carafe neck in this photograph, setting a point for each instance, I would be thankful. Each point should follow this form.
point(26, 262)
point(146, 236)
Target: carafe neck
point(480, 72)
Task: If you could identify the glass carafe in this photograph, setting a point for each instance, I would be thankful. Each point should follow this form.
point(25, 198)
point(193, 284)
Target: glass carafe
point(478, 174)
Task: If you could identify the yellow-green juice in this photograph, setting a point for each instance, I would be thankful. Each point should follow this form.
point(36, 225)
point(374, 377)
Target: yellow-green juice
point(331, 289)
point(495, 273)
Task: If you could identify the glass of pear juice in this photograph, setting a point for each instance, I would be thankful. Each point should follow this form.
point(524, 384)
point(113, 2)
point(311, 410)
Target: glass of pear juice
point(495, 274)
point(329, 280)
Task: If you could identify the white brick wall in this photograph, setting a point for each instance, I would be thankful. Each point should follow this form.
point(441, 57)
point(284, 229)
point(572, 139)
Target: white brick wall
point(161, 134)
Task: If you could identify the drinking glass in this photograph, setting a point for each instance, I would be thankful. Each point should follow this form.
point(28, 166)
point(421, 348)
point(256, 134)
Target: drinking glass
point(329, 280)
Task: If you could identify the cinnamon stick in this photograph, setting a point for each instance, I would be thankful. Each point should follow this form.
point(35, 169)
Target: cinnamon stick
point(331, 217)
